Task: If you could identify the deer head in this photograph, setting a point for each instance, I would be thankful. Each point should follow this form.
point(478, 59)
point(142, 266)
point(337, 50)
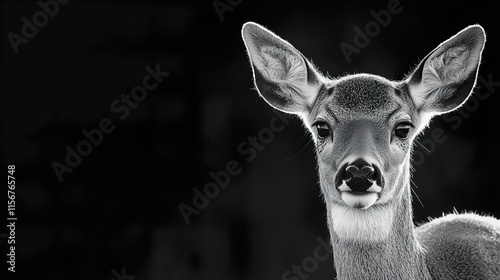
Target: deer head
point(364, 125)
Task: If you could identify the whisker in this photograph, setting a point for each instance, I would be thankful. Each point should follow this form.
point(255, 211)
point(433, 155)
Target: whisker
point(309, 141)
point(422, 145)
point(304, 135)
point(416, 195)
point(411, 180)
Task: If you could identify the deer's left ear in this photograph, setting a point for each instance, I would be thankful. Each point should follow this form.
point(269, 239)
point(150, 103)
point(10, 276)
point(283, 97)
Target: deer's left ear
point(282, 75)
point(445, 78)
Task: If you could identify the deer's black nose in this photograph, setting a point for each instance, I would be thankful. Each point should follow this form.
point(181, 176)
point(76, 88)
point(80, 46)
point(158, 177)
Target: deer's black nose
point(359, 175)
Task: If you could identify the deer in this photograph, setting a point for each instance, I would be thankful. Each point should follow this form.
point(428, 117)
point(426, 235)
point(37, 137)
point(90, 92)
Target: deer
point(363, 128)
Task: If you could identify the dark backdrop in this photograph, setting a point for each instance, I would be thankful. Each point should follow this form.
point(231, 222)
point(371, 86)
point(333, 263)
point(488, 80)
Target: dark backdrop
point(116, 215)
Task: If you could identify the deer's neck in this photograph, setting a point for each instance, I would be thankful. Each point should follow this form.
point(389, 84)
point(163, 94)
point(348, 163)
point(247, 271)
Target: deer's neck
point(395, 255)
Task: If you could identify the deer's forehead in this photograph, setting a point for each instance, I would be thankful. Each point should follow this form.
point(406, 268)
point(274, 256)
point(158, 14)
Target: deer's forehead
point(363, 96)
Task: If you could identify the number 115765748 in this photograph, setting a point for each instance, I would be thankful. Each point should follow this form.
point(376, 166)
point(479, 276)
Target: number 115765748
point(11, 186)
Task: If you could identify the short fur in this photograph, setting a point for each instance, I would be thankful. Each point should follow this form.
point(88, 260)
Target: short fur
point(372, 234)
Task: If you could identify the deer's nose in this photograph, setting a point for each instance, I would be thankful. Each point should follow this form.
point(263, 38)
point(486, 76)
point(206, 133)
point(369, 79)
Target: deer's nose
point(359, 175)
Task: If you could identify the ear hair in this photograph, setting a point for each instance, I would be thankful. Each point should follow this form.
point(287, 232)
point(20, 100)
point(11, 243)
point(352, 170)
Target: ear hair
point(282, 75)
point(445, 78)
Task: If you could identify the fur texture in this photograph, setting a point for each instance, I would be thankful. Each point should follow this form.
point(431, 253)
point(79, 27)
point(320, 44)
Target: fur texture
point(462, 246)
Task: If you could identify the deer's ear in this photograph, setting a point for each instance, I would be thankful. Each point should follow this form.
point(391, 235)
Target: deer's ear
point(283, 77)
point(445, 78)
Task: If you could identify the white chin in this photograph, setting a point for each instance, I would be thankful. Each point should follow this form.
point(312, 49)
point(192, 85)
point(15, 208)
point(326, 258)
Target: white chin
point(372, 224)
point(362, 201)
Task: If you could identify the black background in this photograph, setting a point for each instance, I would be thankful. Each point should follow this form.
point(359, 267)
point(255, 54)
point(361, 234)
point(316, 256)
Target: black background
point(119, 207)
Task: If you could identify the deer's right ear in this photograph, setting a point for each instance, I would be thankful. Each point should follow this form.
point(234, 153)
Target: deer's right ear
point(283, 77)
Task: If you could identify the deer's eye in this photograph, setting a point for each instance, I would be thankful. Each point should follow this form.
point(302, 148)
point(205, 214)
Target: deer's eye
point(402, 130)
point(322, 129)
